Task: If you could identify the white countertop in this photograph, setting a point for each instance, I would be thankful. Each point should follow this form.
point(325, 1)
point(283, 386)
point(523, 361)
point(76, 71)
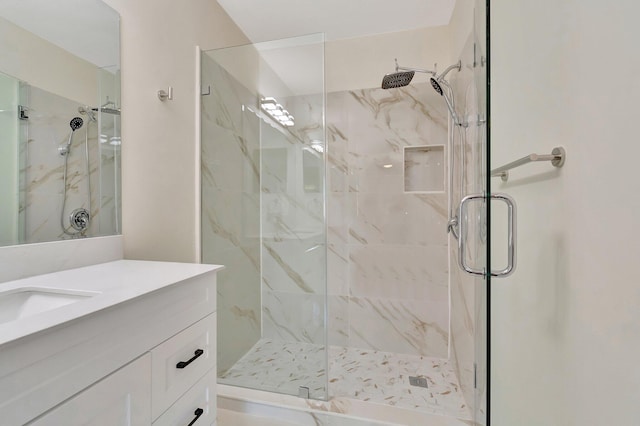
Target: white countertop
point(116, 282)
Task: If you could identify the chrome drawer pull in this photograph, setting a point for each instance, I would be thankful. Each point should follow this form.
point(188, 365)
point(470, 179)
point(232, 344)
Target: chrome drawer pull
point(198, 413)
point(183, 364)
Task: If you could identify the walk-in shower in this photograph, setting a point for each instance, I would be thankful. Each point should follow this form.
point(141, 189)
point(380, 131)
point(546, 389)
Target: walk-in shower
point(334, 231)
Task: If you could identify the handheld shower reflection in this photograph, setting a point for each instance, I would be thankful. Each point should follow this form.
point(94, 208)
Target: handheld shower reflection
point(75, 124)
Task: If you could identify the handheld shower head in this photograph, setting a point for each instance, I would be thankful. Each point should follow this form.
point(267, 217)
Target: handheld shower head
point(436, 86)
point(75, 123)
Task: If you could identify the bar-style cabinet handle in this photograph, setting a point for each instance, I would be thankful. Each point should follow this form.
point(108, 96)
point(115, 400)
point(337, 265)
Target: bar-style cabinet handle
point(197, 414)
point(196, 354)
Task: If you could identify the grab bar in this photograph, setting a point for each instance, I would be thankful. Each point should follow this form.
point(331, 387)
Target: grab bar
point(557, 158)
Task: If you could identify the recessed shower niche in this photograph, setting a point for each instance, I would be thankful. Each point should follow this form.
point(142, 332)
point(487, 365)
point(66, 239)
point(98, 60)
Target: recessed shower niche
point(424, 168)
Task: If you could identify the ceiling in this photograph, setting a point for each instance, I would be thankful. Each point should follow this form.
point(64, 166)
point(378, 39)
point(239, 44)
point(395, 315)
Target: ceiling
point(263, 20)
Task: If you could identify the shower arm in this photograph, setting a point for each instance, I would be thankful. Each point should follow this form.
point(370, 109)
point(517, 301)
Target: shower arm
point(398, 68)
point(457, 65)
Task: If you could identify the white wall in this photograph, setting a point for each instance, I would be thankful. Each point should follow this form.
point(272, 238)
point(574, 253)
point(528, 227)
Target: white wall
point(566, 326)
point(360, 63)
point(45, 65)
point(159, 197)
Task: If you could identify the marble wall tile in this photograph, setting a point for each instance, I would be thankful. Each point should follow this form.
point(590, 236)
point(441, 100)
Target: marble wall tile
point(338, 269)
point(337, 128)
point(399, 219)
point(293, 317)
point(404, 116)
point(230, 219)
point(238, 301)
point(387, 249)
point(338, 320)
point(220, 161)
point(231, 209)
point(399, 272)
point(294, 266)
point(399, 325)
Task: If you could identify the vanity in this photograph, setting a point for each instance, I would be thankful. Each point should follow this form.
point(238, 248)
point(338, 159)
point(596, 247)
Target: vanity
point(122, 342)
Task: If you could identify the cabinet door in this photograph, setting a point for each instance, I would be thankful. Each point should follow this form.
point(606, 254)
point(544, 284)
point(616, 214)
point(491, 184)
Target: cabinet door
point(196, 407)
point(122, 398)
point(195, 349)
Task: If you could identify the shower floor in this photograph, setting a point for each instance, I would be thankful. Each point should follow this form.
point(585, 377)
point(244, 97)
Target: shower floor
point(367, 375)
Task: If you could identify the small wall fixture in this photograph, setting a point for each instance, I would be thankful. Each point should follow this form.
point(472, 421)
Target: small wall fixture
point(277, 112)
point(166, 95)
point(557, 158)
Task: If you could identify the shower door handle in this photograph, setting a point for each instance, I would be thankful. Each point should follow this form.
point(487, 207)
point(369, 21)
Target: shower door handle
point(511, 235)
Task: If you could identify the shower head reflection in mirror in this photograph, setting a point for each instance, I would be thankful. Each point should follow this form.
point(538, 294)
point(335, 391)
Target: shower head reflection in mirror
point(87, 76)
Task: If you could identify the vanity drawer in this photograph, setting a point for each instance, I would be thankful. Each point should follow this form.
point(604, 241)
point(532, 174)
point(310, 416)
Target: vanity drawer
point(180, 362)
point(199, 401)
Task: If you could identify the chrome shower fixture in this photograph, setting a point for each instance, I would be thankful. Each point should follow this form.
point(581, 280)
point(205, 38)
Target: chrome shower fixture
point(88, 111)
point(402, 77)
point(277, 112)
point(75, 124)
point(91, 112)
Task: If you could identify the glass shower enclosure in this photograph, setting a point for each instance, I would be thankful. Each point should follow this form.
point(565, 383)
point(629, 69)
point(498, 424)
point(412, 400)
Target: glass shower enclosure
point(329, 210)
point(263, 212)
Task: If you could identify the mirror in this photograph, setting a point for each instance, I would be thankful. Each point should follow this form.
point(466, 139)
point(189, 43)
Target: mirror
point(59, 120)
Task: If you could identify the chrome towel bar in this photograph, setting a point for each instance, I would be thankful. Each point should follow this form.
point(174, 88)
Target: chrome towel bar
point(557, 158)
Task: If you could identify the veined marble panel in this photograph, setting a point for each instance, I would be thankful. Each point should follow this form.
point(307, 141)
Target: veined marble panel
point(238, 301)
point(400, 272)
point(410, 219)
point(224, 106)
point(229, 161)
point(338, 269)
point(231, 208)
point(230, 219)
point(412, 327)
point(406, 116)
point(338, 320)
point(309, 115)
point(294, 266)
point(337, 143)
point(340, 208)
point(293, 317)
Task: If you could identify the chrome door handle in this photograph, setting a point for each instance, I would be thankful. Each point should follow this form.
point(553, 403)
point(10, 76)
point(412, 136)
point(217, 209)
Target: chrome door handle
point(511, 235)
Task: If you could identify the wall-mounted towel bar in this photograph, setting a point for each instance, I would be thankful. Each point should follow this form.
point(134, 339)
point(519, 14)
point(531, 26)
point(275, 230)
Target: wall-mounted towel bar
point(557, 157)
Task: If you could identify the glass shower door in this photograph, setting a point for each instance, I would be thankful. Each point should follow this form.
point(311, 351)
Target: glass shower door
point(263, 217)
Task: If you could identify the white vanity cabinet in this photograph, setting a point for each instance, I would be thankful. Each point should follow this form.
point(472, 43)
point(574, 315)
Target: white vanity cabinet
point(145, 357)
point(121, 398)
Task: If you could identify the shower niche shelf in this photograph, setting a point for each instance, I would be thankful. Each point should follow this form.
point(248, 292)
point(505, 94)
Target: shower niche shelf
point(424, 169)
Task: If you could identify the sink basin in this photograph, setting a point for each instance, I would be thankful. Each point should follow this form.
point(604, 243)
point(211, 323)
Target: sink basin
point(24, 302)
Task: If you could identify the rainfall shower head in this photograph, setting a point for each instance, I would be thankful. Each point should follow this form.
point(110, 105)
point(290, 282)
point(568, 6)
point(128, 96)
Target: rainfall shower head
point(397, 79)
point(76, 123)
point(402, 77)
